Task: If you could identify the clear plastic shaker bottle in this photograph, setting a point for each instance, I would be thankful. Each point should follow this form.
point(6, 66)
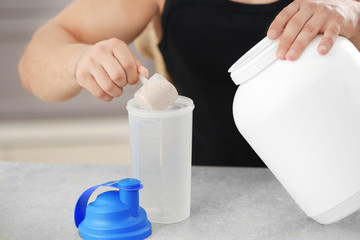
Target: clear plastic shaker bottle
point(160, 143)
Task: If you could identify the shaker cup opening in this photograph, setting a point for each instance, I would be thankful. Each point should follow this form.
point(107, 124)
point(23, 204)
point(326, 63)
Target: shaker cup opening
point(181, 105)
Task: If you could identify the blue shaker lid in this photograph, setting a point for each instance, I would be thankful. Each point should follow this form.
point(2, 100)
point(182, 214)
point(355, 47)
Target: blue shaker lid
point(113, 215)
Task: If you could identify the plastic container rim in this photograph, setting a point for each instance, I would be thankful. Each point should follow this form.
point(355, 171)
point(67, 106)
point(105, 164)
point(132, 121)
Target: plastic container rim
point(135, 111)
point(253, 61)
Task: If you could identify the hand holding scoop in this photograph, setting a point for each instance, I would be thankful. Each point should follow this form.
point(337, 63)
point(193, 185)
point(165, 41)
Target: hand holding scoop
point(157, 93)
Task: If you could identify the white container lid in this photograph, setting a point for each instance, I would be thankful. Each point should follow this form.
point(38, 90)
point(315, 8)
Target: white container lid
point(254, 61)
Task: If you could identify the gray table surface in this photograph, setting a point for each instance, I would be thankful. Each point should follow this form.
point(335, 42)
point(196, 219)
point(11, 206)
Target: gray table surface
point(37, 202)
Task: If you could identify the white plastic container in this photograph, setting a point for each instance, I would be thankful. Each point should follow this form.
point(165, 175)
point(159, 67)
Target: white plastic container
point(303, 119)
point(160, 144)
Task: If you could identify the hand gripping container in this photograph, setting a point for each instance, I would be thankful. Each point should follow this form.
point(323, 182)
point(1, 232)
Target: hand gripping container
point(303, 119)
point(160, 145)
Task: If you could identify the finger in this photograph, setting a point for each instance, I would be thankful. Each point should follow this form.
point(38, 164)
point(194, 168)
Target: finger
point(280, 21)
point(307, 34)
point(140, 67)
point(89, 83)
point(115, 71)
point(329, 38)
point(126, 60)
point(105, 82)
point(293, 28)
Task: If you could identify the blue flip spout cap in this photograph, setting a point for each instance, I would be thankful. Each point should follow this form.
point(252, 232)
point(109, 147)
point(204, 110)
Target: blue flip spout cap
point(114, 215)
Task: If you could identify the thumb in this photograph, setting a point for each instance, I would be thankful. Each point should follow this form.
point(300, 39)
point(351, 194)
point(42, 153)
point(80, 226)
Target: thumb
point(140, 67)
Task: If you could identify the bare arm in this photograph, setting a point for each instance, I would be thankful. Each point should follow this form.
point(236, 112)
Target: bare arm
point(85, 46)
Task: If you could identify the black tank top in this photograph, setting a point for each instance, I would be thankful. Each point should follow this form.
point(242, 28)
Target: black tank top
point(201, 40)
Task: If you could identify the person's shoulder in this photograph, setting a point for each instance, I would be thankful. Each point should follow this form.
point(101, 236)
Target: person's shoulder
point(160, 4)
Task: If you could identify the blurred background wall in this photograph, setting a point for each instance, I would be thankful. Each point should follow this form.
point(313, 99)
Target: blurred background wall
point(82, 129)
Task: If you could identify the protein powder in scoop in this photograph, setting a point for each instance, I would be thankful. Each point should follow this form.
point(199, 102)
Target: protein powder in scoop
point(157, 93)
